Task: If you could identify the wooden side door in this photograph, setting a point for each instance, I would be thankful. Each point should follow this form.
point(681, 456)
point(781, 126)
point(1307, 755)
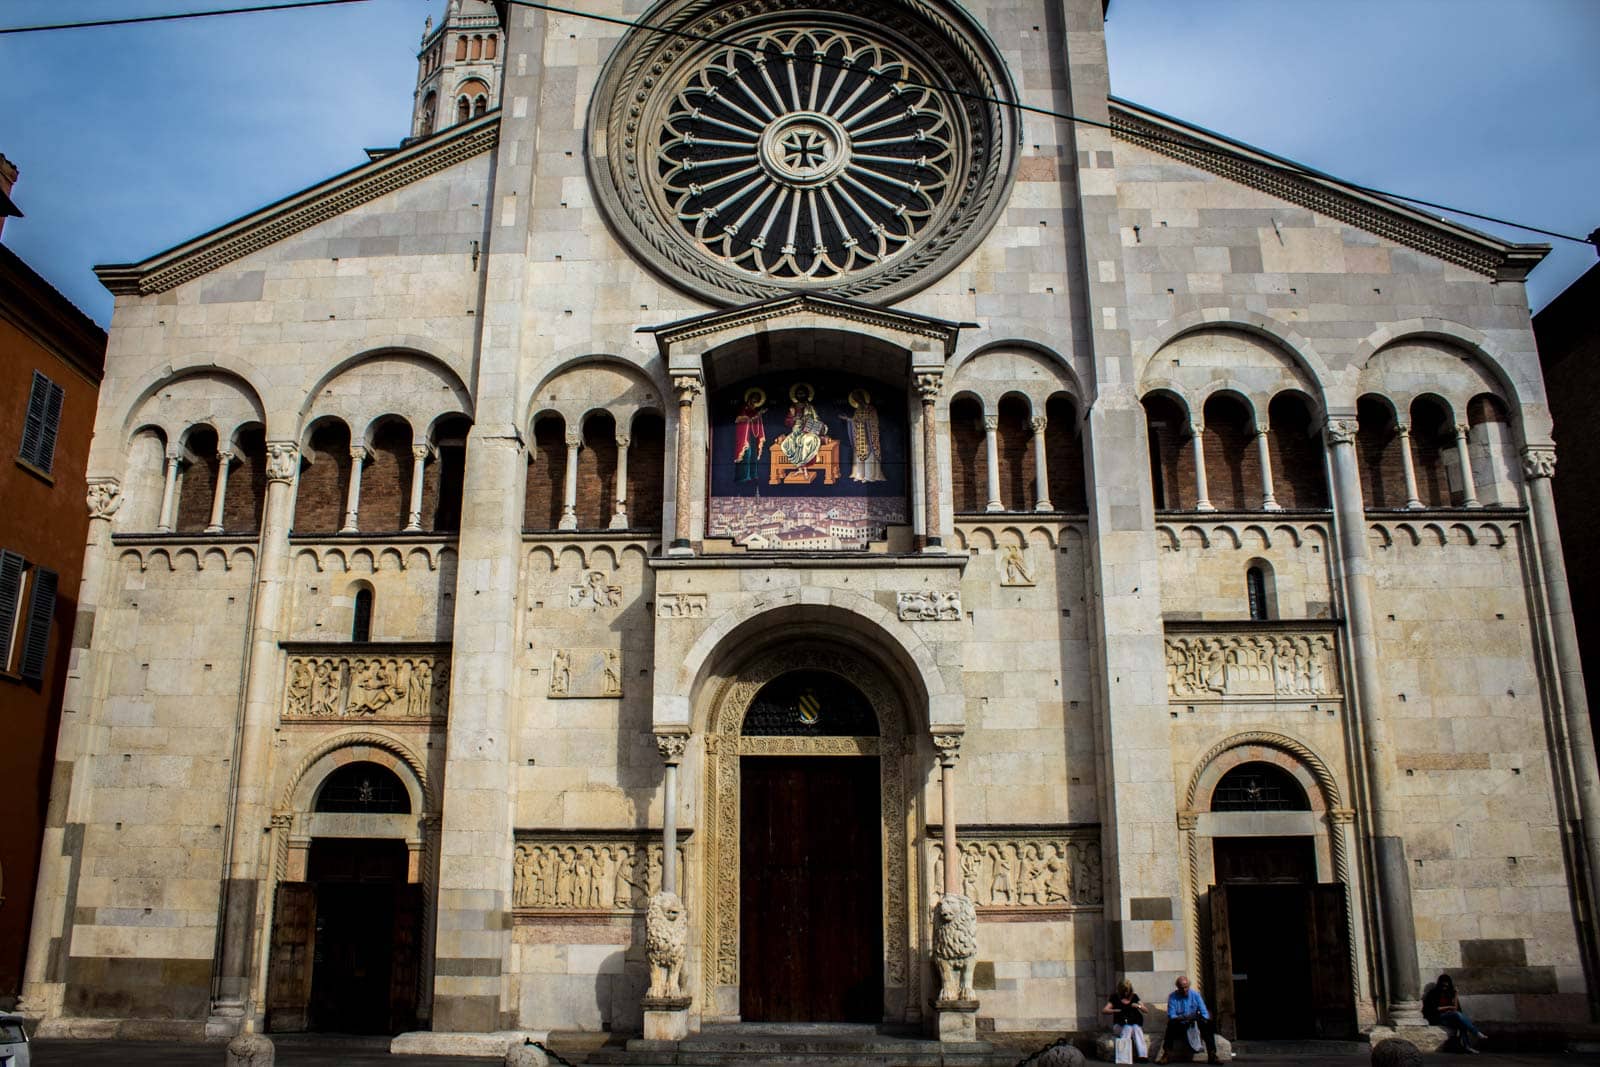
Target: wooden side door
point(1329, 933)
point(1222, 1002)
point(294, 927)
point(405, 968)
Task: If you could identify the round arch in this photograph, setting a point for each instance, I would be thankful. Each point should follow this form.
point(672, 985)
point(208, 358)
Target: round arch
point(404, 347)
point(1291, 342)
point(242, 372)
point(336, 751)
point(1074, 381)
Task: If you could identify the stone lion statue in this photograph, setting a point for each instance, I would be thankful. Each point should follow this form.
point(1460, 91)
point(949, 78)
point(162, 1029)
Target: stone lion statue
point(666, 936)
point(955, 945)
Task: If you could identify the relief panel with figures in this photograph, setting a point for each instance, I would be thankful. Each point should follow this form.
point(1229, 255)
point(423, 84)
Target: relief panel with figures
point(588, 873)
point(388, 683)
point(1027, 872)
point(1273, 665)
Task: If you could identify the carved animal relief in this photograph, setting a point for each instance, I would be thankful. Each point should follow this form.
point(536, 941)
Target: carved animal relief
point(611, 875)
point(681, 606)
point(594, 592)
point(929, 607)
point(1022, 873)
point(397, 685)
point(1271, 665)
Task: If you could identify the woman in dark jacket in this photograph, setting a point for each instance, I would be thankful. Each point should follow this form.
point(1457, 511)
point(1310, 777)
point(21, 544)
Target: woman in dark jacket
point(1127, 1017)
point(1442, 1007)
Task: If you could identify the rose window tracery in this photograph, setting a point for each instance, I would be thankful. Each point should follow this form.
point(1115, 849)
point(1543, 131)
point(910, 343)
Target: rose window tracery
point(853, 147)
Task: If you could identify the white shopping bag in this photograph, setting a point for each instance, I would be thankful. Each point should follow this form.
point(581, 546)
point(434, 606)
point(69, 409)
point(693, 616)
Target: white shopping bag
point(1195, 1044)
point(1124, 1046)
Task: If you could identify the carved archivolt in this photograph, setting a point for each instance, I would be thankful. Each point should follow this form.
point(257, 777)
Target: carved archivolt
point(725, 745)
point(389, 684)
point(1274, 664)
point(1046, 871)
point(587, 874)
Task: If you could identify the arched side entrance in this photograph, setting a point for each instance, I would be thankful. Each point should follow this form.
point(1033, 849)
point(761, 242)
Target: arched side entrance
point(1265, 833)
point(727, 744)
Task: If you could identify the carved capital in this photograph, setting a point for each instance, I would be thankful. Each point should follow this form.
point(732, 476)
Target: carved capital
point(224, 455)
point(1038, 423)
point(104, 498)
point(574, 439)
point(358, 453)
point(1538, 461)
point(624, 440)
point(949, 748)
point(1462, 430)
point(1340, 431)
point(991, 423)
point(687, 387)
point(174, 455)
point(1341, 816)
point(283, 459)
point(421, 453)
point(1188, 820)
point(282, 820)
point(928, 386)
point(1262, 431)
point(671, 747)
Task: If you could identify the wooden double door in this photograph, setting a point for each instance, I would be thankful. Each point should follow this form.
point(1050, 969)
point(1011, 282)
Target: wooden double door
point(811, 889)
point(346, 942)
point(1280, 943)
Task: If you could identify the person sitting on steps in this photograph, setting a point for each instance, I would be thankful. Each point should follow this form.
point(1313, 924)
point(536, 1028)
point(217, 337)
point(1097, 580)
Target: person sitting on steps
point(1442, 1007)
point(1186, 1006)
point(1127, 1018)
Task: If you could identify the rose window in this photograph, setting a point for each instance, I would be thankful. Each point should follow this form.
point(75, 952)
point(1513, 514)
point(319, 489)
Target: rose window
point(806, 154)
point(855, 148)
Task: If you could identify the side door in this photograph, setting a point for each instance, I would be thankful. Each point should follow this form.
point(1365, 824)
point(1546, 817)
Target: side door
point(1225, 1010)
point(405, 967)
point(289, 966)
point(1331, 992)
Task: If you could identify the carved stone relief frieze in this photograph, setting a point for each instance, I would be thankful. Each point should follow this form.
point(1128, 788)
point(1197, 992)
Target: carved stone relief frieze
point(596, 873)
point(929, 606)
point(681, 606)
point(369, 684)
point(1051, 870)
point(1273, 665)
point(1014, 569)
point(585, 672)
point(595, 591)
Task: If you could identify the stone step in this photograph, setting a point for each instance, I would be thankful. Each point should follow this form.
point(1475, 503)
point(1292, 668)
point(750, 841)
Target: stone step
point(719, 1046)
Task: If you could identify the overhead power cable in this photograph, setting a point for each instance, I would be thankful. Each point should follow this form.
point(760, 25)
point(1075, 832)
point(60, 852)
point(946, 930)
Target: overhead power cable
point(1285, 165)
point(134, 19)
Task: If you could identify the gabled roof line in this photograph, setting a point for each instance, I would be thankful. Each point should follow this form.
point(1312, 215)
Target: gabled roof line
point(1323, 193)
point(302, 210)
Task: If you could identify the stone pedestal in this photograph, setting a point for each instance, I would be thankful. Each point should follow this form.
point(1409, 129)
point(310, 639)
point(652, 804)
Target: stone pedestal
point(1426, 1038)
point(250, 1050)
point(666, 1018)
point(956, 1020)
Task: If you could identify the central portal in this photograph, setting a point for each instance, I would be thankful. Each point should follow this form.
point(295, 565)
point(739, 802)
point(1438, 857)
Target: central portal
point(811, 892)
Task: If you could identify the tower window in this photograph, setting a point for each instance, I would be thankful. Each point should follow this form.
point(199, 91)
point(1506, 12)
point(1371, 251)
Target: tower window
point(461, 48)
point(1257, 583)
point(477, 48)
point(480, 105)
point(463, 109)
point(361, 625)
point(490, 46)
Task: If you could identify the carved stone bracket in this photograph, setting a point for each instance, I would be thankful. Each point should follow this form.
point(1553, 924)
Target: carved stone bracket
point(104, 498)
point(1538, 462)
point(929, 606)
point(671, 747)
point(1270, 665)
point(687, 387)
point(681, 606)
point(283, 459)
point(1340, 431)
point(588, 872)
point(1020, 871)
point(369, 683)
point(928, 386)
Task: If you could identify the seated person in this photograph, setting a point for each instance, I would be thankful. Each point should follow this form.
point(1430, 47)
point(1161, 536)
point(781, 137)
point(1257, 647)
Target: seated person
point(1442, 1007)
point(1186, 1006)
point(1127, 1017)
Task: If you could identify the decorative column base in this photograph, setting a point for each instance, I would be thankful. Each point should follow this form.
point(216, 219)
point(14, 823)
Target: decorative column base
point(1426, 1038)
point(956, 1020)
point(666, 1018)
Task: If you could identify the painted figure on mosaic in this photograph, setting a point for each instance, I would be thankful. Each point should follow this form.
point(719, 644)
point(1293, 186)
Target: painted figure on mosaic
point(807, 433)
point(750, 436)
point(866, 443)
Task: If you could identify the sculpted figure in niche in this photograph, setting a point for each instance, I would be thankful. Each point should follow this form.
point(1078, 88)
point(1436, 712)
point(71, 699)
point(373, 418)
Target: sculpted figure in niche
point(560, 672)
point(437, 686)
point(866, 446)
point(300, 683)
point(1030, 882)
point(971, 870)
point(955, 945)
point(417, 691)
point(1001, 888)
point(564, 876)
point(1015, 567)
point(613, 673)
point(1057, 879)
point(666, 944)
point(520, 873)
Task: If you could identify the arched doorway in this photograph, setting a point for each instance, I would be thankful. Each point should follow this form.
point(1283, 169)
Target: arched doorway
point(808, 832)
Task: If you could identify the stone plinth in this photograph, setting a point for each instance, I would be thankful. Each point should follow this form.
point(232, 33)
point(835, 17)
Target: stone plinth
point(956, 1020)
point(444, 1043)
point(666, 1018)
point(1426, 1038)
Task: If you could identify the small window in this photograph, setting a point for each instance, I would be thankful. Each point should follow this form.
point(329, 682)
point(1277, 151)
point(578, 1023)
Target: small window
point(491, 43)
point(480, 105)
point(1256, 583)
point(461, 49)
point(1259, 787)
point(13, 583)
point(361, 627)
point(27, 609)
point(40, 423)
point(463, 109)
point(364, 789)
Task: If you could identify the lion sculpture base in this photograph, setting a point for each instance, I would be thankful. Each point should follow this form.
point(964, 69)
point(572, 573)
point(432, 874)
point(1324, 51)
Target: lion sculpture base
point(955, 946)
point(666, 934)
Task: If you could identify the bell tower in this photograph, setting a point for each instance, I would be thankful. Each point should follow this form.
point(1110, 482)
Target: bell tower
point(458, 67)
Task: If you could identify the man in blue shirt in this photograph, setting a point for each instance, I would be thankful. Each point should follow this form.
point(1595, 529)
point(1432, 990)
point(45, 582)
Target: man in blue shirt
point(1186, 1006)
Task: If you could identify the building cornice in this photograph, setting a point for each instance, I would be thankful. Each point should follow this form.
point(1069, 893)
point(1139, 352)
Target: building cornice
point(35, 307)
point(1323, 193)
point(305, 209)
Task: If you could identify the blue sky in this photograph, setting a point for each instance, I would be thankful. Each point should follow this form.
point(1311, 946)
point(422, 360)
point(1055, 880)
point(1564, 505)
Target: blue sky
point(133, 139)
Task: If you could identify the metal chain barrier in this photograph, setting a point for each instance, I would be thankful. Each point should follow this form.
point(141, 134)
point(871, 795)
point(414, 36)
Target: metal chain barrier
point(555, 1057)
point(1057, 1043)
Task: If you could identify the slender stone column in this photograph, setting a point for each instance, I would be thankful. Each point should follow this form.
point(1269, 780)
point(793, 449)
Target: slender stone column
point(949, 746)
point(1469, 485)
point(1041, 473)
point(169, 493)
point(619, 517)
point(687, 387)
point(1197, 439)
point(671, 747)
point(252, 809)
point(1409, 468)
point(569, 491)
point(1538, 469)
point(928, 388)
point(352, 497)
point(44, 975)
point(1393, 878)
point(991, 460)
point(1269, 499)
point(224, 457)
point(420, 455)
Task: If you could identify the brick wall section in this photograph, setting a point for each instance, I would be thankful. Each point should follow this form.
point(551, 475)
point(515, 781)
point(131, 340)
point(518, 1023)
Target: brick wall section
point(1233, 465)
point(247, 483)
point(1432, 437)
point(967, 474)
point(597, 472)
point(324, 472)
point(1171, 456)
point(1014, 447)
point(1063, 449)
point(197, 482)
point(442, 477)
point(1299, 478)
point(1486, 408)
point(647, 473)
point(547, 467)
point(386, 479)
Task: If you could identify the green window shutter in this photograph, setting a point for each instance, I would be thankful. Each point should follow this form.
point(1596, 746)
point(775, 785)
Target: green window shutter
point(11, 566)
point(41, 612)
point(42, 422)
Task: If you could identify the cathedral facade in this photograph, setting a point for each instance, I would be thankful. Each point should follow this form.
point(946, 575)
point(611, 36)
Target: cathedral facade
point(759, 455)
